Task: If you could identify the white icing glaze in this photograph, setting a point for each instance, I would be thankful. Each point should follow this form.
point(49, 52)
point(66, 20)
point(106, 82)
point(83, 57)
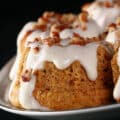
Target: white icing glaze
point(103, 15)
point(65, 42)
point(38, 34)
point(65, 36)
point(112, 37)
point(93, 30)
point(26, 98)
point(66, 33)
point(33, 45)
point(44, 35)
point(26, 28)
point(116, 92)
point(71, 53)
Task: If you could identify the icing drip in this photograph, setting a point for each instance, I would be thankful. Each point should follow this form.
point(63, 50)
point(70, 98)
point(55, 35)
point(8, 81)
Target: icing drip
point(25, 95)
point(55, 54)
point(116, 92)
point(118, 58)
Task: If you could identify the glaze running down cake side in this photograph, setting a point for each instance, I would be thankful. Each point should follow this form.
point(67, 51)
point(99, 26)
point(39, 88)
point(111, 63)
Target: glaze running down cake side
point(116, 75)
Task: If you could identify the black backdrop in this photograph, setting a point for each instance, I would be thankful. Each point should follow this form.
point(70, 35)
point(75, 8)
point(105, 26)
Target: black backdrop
point(13, 15)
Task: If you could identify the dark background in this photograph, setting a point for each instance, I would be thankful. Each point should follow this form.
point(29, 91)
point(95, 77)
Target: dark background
point(13, 15)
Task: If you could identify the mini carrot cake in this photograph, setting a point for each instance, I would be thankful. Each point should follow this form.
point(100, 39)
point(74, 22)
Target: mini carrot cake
point(62, 63)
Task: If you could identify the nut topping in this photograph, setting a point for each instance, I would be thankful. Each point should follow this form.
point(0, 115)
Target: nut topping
point(26, 76)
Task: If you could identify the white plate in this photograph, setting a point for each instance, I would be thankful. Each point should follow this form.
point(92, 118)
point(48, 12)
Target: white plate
point(103, 111)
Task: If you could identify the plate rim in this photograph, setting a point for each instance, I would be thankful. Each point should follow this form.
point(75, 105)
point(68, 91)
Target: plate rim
point(61, 113)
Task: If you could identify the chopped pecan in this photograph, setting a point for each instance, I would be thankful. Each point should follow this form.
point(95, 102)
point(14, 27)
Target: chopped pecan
point(54, 34)
point(112, 27)
point(42, 21)
point(40, 27)
point(85, 6)
point(26, 76)
point(51, 41)
point(36, 49)
point(76, 35)
point(77, 40)
point(107, 4)
point(48, 14)
point(68, 18)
